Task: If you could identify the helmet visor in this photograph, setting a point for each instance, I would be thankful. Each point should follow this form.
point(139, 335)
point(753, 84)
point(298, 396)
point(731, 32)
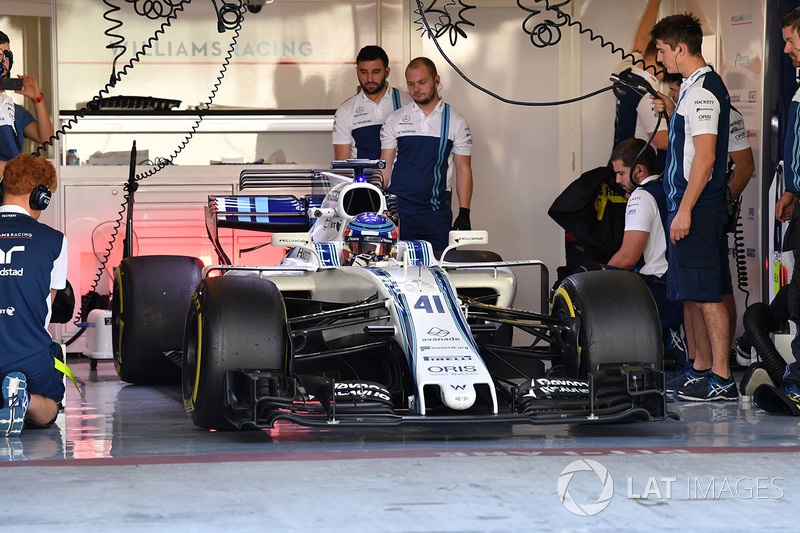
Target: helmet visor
point(378, 249)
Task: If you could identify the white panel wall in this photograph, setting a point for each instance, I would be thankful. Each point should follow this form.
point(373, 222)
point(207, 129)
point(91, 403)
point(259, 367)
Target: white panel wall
point(523, 156)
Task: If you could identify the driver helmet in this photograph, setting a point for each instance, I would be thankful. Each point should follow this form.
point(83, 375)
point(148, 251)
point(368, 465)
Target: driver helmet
point(371, 235)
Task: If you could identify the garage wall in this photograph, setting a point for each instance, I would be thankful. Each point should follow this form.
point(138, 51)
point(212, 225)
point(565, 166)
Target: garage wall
point(523, 156)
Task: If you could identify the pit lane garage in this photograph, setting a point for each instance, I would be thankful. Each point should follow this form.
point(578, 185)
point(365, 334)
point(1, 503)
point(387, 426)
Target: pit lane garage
point(311, 440)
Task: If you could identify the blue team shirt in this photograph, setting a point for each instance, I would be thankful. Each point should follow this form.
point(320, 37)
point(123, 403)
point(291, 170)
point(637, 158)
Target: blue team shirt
point(358, 121)
point(703, 108)
point(33, 260)
point(791, 147)
point(425, 145)
point(22, 118)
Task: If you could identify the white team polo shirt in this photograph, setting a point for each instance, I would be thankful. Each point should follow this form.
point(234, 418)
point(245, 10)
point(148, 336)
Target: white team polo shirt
point(358, 121)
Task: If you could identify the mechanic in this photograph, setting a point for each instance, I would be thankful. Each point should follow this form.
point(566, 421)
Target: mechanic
point(695, 185)
point(33, 266)
point(16, 123)
point(421, 143)
point(369, 239)
point(785, 208)
point(644, 244)
point(358, 121)
point(740, 169)
point(634, 113)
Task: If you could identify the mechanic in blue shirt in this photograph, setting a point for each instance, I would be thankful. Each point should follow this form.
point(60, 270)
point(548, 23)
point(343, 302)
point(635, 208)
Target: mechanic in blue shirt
point(16, 123)
point(694, 182)
point(421, 143)
point(358, 121)
point(740, 169)
point(33, 265)
point(634, 116)
point(786, 207)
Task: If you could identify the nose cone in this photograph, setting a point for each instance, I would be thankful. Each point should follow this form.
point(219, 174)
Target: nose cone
point(458, 397)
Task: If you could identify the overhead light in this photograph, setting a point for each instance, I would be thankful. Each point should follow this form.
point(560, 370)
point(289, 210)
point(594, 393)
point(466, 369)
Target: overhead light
point(254, 6)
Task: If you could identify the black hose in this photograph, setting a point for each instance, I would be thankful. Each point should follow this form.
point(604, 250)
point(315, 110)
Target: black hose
point(759, 321)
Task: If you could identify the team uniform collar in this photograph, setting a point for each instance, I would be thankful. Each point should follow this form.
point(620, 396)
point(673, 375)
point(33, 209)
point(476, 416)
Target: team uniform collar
point(13, 209)
point(386, 96)
point(437, 109)
point(649, 179)
point(702, 71)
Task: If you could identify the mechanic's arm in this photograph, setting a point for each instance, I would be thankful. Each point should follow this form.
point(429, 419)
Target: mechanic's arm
point(743, 159)
point(645, 25)
point(663, 103)
point(783, 208)
point(388, 155)
point(342, 151)
point(660, 140)
point(633, 243)
point(42, 129)
point(702, 165)
point(463, 164)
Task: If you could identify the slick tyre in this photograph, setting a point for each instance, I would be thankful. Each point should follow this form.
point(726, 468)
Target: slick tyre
point(234, 322)
point(618, 320)
point(148, 310)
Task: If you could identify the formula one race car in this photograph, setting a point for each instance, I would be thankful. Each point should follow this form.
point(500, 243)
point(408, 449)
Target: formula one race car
point(353, 327)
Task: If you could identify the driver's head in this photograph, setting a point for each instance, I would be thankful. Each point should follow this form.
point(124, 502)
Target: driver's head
point(370, 235)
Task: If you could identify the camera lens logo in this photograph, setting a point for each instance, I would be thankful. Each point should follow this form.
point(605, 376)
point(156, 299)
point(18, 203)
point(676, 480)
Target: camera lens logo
point(585, 509)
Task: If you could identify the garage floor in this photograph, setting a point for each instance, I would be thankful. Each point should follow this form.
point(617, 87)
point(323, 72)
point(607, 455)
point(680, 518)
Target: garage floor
point(129, 459)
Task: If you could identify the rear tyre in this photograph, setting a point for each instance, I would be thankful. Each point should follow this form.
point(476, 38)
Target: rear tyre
point(618, 321)
point(148, 309)
point(234, 322)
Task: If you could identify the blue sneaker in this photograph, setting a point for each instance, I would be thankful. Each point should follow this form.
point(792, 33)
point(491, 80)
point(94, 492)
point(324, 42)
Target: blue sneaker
point(709, 388)
point(15, 404)
point(683, 375)
point(792, 390)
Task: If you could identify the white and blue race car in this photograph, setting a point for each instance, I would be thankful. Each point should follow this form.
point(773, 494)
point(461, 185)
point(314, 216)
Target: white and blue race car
point(334, 336)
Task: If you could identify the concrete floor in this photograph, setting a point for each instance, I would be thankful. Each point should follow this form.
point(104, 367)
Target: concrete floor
point(129, 459)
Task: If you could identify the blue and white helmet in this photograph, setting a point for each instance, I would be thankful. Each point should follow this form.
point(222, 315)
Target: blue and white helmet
point(370, 234)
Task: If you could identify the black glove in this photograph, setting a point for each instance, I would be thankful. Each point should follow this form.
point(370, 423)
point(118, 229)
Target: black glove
point(462, 220)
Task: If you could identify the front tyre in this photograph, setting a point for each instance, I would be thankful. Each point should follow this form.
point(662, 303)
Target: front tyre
point(234, 322)
point(618, 321)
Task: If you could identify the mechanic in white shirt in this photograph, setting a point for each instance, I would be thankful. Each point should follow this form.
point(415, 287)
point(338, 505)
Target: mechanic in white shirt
point(644, 244)
point(357, 123)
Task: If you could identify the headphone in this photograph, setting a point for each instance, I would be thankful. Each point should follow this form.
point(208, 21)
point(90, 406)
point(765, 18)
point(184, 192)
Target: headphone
point(40, 195)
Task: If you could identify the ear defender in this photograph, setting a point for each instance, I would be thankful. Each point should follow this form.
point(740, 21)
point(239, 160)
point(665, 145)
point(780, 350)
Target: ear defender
point(40, 197)
point(41, 194)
